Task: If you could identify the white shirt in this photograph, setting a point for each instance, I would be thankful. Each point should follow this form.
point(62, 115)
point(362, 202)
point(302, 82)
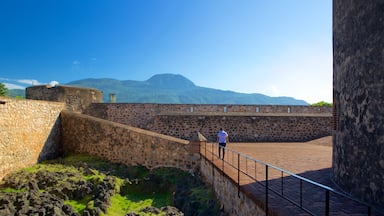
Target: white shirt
point(222, 135)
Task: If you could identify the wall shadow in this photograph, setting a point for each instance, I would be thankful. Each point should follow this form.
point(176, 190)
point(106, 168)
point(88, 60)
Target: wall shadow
point(306, 195)
point(52, 147)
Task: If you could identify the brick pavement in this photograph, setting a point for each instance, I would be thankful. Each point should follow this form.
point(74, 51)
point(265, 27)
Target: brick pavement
point(311, 160)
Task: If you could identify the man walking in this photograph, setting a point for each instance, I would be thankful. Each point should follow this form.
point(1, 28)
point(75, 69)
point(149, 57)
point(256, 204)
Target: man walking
point(222, 139)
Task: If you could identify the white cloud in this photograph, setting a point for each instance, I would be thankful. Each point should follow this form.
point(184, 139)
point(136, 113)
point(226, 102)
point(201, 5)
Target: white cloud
point(6, 79)
point(272, 90)
point(29, 81)
point(13, 86)
point(76, 62)
point(19, 83)
point(54, 83)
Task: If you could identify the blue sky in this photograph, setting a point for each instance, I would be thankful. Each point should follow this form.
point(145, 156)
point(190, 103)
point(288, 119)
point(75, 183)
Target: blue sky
point(278, 47)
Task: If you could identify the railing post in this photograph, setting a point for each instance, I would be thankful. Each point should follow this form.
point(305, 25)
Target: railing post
point(213, 169)
point(282, 184)
point(222, 169)
point(238, 175)
point(301, 193)
point(205, 150)
point(266, 190)
point(327, 202)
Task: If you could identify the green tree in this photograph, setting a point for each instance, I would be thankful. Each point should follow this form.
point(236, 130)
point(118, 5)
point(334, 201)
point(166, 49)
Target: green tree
point(3, 90)
point(321, 103)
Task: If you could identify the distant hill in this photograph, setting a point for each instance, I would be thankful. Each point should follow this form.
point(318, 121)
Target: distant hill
point(16, 93)
point(176, 89)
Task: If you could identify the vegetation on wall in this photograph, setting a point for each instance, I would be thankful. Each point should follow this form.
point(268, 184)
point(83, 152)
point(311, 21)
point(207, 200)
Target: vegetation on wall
point(3, 90)
point(322, 103)
point(83, 185)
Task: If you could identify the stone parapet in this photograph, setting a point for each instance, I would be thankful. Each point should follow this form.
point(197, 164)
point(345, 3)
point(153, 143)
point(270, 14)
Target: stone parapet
point(29, 132)
point(125, 144)
point(233, 201)
point(242, 121)
point(76, 99)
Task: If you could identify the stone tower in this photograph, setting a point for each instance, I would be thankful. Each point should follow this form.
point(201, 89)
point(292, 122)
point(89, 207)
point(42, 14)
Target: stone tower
point(77, 99)
point(358, 91)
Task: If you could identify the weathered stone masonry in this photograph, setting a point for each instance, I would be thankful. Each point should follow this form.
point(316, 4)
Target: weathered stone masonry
point(29, 132)
point(245, 123)
point(124, 144)
point(358, 65)
point(76, 99)
point(234, 202)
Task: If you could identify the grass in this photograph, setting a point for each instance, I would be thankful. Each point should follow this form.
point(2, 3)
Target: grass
point(129, 183)
point(81, 205)
point(51, 168)
point(12, 190)
point(121, 205)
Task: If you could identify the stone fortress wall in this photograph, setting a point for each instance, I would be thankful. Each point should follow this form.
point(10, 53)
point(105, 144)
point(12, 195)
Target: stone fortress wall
point(244, 123)
point(35, 130)
point(358, 157)
point(358, 89)
point(153, 135)
point(29, 132)
point(76, 99)
point(125, 144)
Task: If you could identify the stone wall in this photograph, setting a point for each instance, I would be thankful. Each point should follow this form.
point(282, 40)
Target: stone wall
point(226, 191)
point(358, 141)
point(76, 99)
point(244, 123)
point(124, 144)
point(29, 132)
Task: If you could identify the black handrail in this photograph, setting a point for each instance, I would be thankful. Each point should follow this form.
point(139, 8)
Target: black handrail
point(281, 193)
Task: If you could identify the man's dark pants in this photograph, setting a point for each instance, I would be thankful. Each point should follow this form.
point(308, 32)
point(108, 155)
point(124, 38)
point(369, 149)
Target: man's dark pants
point(222, 147)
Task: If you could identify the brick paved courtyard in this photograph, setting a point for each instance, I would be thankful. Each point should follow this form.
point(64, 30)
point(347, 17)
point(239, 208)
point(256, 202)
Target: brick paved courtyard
point(311, 160)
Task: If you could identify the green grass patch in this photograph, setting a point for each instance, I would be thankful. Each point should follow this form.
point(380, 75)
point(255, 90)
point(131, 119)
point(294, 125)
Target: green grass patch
point(79, 205)
point(172, 175)
point(12, 190)
point(58, 168)
point(118, 184)
point(121, 205)
point(135, 188)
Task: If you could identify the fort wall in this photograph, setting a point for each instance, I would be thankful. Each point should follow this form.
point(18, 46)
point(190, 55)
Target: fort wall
point(76, 99)
point(358, 140)
point(29, 132)
point(244, 123)
point(234, 202)
point(125, 144)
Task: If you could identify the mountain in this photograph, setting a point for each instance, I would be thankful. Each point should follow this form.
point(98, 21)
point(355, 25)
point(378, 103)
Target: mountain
point(16, 93)
point(176, 89)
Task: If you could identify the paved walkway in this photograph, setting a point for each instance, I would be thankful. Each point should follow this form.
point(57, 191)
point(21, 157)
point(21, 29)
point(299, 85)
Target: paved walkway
point(311, 160)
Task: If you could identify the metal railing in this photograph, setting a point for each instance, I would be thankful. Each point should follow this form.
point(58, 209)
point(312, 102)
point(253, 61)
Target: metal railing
point(306, 195)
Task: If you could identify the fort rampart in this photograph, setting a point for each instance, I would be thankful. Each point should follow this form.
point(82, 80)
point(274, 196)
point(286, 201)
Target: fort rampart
point(245, 123)
point(29, 132)
point(124, 144)
point(76, 99)
point(234, 202)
